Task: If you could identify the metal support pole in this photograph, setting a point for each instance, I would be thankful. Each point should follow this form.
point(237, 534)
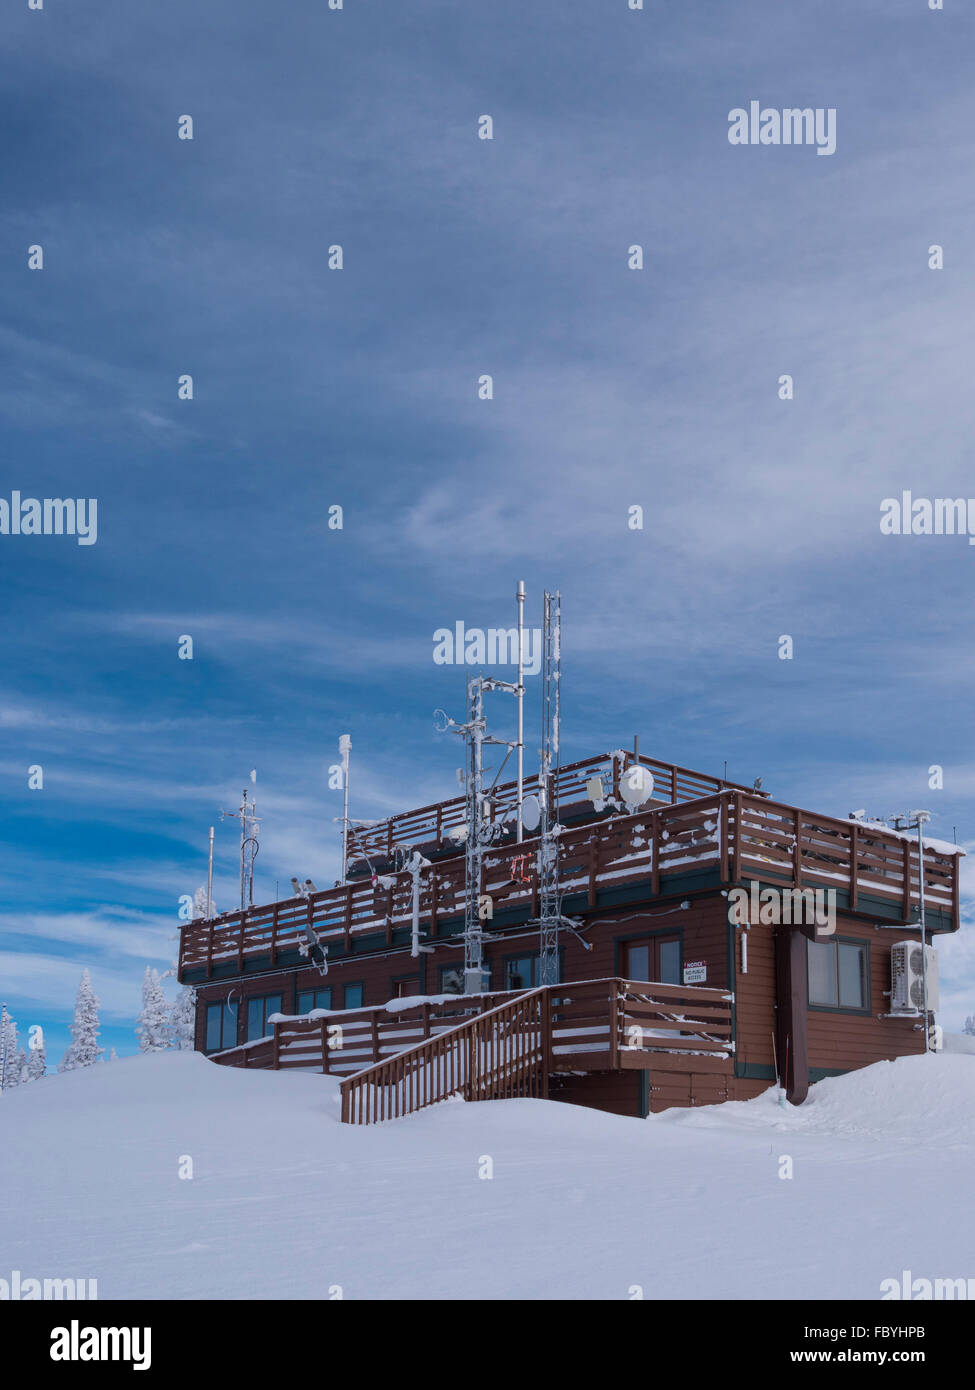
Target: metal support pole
point(519, 836)
point(210, 878)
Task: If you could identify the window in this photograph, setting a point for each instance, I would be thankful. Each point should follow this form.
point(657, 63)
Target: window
point(404, 989)
point(451, 979)
point(221, 1027)
point(521, 972)
point(837, 972)
point(258, 1011)
point(353, 996)
point(309, 999)
point(652, 958)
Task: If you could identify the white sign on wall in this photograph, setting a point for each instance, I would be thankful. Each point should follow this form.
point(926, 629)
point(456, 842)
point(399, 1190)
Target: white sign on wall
point(695, 972)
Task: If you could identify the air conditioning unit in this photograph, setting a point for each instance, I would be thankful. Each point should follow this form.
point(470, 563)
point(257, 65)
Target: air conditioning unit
point(907, 977)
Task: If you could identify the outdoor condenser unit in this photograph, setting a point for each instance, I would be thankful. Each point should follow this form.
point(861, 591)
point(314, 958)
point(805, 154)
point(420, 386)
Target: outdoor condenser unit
point(907, 978)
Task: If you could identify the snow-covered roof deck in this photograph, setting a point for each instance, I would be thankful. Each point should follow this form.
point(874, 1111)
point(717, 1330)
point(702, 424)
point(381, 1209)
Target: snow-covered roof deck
point(729, 837)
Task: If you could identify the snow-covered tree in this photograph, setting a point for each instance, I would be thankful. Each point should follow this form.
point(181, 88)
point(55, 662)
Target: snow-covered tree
point(11, 1056)
point(200, 903)
point(969, 1027)
point(113, 1055)
point(153, 1023)
point(182, 1020)
point(83, 1050)
point(36, 1061)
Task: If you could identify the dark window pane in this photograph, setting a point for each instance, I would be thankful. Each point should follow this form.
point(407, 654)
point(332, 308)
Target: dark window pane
point(353, 996)
point(670, 962)
point(852, 963)
point(306, 1001)
point(638, 962)
point(255, 1019)
point(272, 1005)
point(520, 973)
point(822, 972)
point(214, 1014)
point(323, 998)
point(451, 979)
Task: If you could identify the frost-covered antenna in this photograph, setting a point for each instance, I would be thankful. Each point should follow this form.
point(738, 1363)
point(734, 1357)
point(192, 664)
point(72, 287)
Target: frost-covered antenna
point(345, 749)
point(480, 829)
point(549, 893)
point(246, 813)
point(4, 1019)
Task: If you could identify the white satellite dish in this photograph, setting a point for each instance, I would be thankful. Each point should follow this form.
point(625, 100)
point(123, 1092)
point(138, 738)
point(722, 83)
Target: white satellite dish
point(636, 785)
point(531, 813)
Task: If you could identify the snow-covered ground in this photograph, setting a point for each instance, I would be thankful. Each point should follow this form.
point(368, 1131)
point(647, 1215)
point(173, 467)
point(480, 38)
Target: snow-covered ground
point(285, 1202)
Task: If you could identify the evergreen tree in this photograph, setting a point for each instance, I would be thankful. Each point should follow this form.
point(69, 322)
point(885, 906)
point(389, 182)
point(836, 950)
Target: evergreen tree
point(113, 1055)
point(182, 1020)
point(152, 1030)
point(969, 1027)
point(83, 1050)
point(36, 1060)
point(10, 1053)
point(200, 903)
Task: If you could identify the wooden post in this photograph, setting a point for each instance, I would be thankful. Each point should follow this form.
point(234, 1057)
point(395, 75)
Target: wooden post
point(347, 917)
point(274, 935)
point(796, 849)
point(547, 1041)
point(854, 869)
point(906, 870)
point(655, 853)
point(791, 1030)
point(736, 858)
point(375, 1036)
point(275, 1047)
point(325, 1046)
point(614, 1024)
point(723, 833)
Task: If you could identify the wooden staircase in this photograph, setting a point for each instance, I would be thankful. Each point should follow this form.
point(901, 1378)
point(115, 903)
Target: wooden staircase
point(393, 1061)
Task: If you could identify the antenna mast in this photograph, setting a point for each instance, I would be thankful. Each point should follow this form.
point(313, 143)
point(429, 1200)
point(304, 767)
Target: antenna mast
point(345, 748)
point(519, 831)
point(246, 813)
point(481, 830)
point(549, 892)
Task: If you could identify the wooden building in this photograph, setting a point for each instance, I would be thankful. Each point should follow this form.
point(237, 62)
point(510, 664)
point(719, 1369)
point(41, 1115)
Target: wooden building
point(672, 990)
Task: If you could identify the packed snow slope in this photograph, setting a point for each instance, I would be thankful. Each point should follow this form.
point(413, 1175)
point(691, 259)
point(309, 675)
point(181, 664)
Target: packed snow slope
point(285, 1202)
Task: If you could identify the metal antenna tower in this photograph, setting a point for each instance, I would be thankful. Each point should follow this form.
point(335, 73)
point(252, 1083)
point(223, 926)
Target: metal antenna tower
point(246, 813)
point(549, 892)
point(481, 830)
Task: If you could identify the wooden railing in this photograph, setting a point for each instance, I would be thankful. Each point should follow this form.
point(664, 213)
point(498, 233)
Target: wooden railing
point(492, 1047)
point(430, 825)
point(739, 835)
point(497, 1055)
point(339, 1042)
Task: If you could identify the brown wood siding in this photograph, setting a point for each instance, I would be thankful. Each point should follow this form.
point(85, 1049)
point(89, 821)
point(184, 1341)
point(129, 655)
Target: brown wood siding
point(837, 1041)
point(702, 928)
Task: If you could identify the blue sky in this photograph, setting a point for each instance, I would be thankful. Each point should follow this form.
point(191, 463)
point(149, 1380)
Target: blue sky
point(357, 387)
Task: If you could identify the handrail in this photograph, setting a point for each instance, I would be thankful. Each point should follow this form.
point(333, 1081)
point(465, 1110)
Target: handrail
point(742, 834)
point(498, 1054)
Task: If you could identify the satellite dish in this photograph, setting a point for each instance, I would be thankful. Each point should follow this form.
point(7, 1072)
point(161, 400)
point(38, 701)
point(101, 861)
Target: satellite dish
point(531, 813)
point(636, 785)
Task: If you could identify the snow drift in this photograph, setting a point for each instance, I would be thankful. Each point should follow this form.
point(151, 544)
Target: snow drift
point(513, 1199)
